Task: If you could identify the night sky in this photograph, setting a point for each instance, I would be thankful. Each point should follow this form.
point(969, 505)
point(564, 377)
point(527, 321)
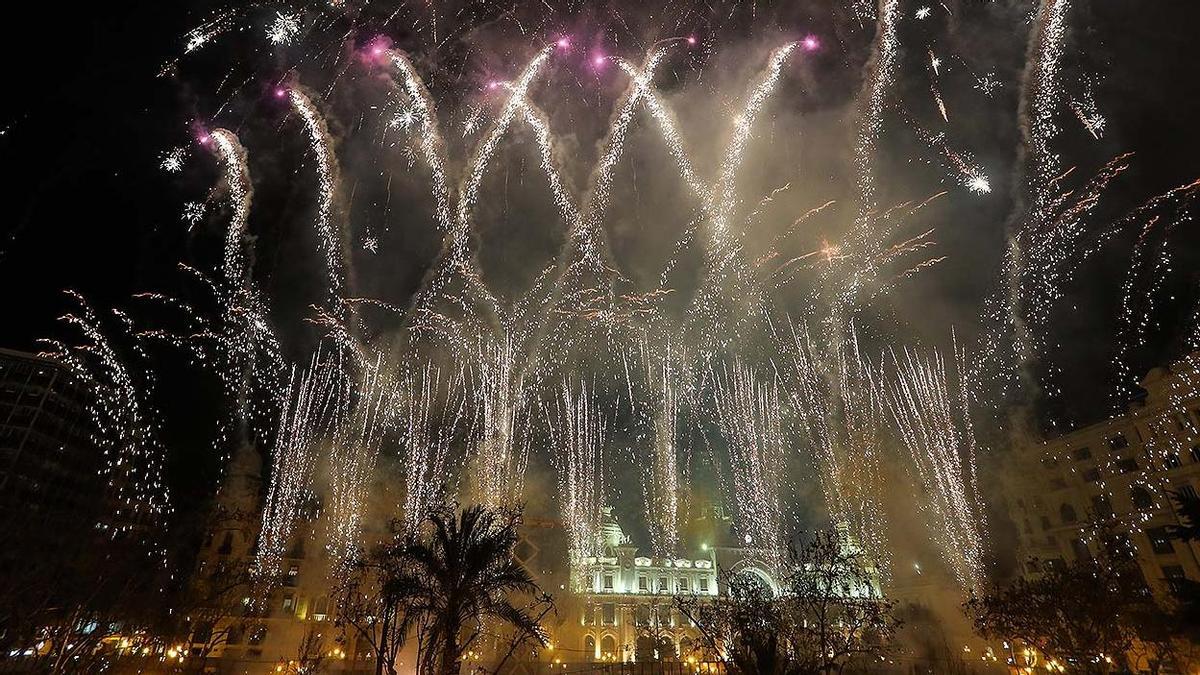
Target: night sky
point(86, 118)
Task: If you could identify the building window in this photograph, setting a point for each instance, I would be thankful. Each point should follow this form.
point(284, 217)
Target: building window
point(683, 585)
point(203, 632)
point(589, 647)
point(608, 582)
point(1067, 513)
point(662, 585)
point(1091, 475)
point(1171, 461)
point(643, 584)
point(703, 584)
point(1081, 453)
point(1187, 492)
point(641, 616)
point(1141, 497)
point(609, 612)
point(1127, 465)
point(1080, 550)
point(1172, 571)
point(1045, 522)
point(1195, 452)
point(292, 573)
point(1160, 541)
point(1102, 505)
point(258, 635)
point(608, 647)
point(1118, 442)
point(321, 608)
point(289, 603)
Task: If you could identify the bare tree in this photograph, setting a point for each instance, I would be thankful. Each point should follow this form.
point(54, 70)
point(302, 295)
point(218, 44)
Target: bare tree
point(843, 617)
point(310, 656)
point(1081, 614)
point(827, 615)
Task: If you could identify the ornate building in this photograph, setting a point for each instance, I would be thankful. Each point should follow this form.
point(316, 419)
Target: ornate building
point(614, 607)
point(1123, 470)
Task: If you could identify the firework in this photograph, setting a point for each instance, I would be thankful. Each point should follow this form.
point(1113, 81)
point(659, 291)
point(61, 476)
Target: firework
point(125, 424)
point(580, 430)
point(333, 239)
point(932, 418)
point(747, 410)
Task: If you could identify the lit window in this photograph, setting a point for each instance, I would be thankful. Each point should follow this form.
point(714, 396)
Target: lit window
point(289, 603)
point(1172, 571)
point(1160, 541)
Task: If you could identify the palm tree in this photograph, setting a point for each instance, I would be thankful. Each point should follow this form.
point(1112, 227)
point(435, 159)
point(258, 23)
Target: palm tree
point(458, 576)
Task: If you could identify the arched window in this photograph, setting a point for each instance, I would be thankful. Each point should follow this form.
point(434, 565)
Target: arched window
point(589, 647)
point(608, 647)
point(1080, 550)
point(1141, 497)
point(1067, 512)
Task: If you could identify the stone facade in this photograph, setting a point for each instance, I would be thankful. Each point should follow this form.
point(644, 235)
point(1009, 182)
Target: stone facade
point(1122, 468)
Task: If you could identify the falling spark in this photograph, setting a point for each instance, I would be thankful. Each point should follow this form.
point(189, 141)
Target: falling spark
point(932, 416)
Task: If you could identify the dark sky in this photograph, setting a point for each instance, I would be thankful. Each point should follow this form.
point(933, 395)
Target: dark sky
point(85, 118)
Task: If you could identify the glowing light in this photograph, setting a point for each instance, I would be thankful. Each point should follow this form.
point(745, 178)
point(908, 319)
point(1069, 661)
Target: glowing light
point(284, 28)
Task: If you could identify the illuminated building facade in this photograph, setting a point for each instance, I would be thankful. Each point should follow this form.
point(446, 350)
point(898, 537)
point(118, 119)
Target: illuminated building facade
point(1123, 470)
point(614, 607)
point(251, 628)
point(623, 601)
